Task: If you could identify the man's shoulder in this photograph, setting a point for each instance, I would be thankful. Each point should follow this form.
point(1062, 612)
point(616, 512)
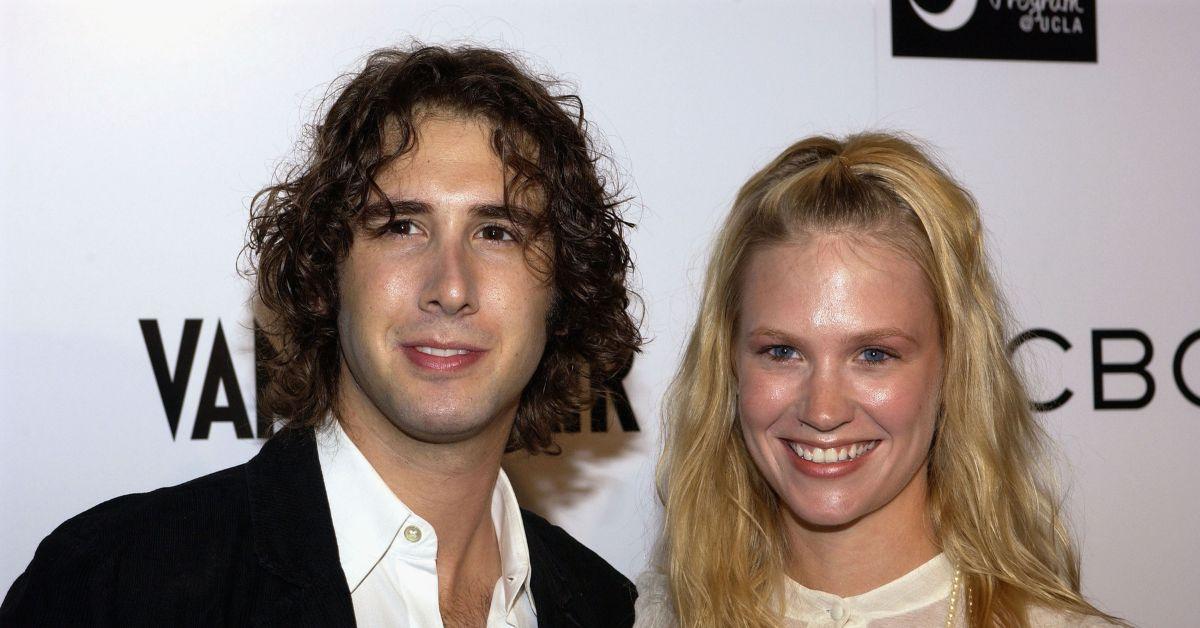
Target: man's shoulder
point(197, 510)
point(208, 502)
point(169, 522)
point(165, 536)
point(567, 570)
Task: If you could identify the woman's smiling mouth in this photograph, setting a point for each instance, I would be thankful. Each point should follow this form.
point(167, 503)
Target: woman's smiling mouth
point(829, 455)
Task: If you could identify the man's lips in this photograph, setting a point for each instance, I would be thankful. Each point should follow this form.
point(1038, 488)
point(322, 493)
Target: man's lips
point(442, 356)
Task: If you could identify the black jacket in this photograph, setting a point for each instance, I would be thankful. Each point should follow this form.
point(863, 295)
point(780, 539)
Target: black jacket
point(254, 546)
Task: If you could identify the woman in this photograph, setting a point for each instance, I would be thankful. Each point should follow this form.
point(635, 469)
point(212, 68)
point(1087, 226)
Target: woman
point(847, 442)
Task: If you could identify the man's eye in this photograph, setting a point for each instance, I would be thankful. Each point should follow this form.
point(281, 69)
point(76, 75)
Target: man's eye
point(402, 227)
point(496, 232)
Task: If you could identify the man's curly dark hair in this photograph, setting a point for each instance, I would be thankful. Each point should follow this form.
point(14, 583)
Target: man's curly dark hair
point(302, 226)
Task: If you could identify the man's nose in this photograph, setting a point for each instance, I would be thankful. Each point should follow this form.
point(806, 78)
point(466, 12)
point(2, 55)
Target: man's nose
point(450, 286)
point(828, 403)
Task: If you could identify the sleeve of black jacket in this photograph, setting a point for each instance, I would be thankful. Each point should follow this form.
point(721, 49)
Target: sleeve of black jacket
point(69, 582)
point(572, 586)
point(172, 556)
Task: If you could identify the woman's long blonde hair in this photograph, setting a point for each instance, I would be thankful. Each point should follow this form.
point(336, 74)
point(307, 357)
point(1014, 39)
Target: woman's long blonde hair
point(993, 508)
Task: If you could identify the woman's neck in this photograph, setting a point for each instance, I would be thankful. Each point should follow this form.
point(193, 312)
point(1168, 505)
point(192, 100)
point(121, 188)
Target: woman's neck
point(867, 553)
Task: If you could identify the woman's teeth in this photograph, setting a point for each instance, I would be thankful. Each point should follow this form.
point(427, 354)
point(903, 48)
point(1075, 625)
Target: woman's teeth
point(826, 456)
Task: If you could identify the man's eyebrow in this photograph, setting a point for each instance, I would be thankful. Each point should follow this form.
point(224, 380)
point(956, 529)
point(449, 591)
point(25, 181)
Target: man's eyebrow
point(492, 211)
point(409, 207)
point(402, 207)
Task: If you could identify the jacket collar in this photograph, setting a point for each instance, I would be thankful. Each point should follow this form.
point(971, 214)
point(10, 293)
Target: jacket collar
point(556, 600)
point(292, 529)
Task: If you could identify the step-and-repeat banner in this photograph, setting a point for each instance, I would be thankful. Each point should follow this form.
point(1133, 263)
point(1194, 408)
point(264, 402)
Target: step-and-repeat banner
point(133, 136)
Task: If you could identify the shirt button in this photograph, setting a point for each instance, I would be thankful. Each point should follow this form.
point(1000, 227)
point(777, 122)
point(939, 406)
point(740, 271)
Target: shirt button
point(837, 612)
point(412, 534)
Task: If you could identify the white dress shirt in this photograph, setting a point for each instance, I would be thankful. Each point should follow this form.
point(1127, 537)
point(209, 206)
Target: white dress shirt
point(389, 554)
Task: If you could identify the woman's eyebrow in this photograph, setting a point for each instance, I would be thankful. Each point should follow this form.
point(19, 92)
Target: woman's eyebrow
point(864, 337)
point(883, 333)
point(772, 333)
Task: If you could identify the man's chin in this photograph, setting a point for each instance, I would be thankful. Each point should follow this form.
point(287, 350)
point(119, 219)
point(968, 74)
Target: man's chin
point(446, 425)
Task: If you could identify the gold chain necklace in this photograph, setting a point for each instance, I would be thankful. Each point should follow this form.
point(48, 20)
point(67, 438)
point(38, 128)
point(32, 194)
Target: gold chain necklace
point(954, 597)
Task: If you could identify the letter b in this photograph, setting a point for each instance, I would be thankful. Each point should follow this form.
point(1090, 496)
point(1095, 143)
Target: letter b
point(1100, 368)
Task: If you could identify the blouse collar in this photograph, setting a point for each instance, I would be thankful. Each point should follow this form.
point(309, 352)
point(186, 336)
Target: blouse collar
point(915, 590)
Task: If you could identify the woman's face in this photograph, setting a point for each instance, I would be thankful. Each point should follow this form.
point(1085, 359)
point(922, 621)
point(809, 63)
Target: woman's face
point(839, 368)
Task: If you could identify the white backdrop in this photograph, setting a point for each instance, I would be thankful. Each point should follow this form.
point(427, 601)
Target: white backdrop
point(133, 136)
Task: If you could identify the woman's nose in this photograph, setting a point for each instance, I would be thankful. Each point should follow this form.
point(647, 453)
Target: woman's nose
point(828, 403)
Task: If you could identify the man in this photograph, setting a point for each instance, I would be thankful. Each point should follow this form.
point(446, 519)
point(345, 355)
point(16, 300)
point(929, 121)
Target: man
point(444, 276)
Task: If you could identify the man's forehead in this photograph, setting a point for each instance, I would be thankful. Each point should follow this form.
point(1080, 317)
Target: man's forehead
point(394, 129)
point(522, 185)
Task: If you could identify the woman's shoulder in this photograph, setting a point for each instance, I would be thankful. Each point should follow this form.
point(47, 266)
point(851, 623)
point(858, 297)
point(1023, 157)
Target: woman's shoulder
point(653, 608)
point(1042, 616)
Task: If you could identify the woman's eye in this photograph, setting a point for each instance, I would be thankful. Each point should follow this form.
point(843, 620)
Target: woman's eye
point(781, 352)
point(496, 232)
point(875, 355)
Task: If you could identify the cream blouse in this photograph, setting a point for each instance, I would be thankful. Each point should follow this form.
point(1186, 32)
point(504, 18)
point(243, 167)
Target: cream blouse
point(918, 599)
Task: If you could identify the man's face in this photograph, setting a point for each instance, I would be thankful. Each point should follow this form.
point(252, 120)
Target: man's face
point(442, 322)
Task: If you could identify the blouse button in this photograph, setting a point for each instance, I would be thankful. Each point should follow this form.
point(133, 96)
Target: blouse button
point(837, 612)
point(412, 534)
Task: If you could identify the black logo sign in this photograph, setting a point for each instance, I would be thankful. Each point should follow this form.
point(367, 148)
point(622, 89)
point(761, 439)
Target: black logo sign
point(1103, 368)
point(613, 396)
point(1035, 30)
point(219, 374)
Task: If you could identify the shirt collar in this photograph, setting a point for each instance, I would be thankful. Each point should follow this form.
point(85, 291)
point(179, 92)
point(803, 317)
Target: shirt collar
point(368, 518)
point(514, 547)
point(916, 589)
point(366, 514)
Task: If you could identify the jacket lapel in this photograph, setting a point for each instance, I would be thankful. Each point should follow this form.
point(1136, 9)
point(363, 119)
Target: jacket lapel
point(293, 536)
point(557, 604)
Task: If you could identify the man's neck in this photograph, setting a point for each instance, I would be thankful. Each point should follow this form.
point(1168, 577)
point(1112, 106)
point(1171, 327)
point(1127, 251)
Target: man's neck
point(449, 485)
point(865, 554)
